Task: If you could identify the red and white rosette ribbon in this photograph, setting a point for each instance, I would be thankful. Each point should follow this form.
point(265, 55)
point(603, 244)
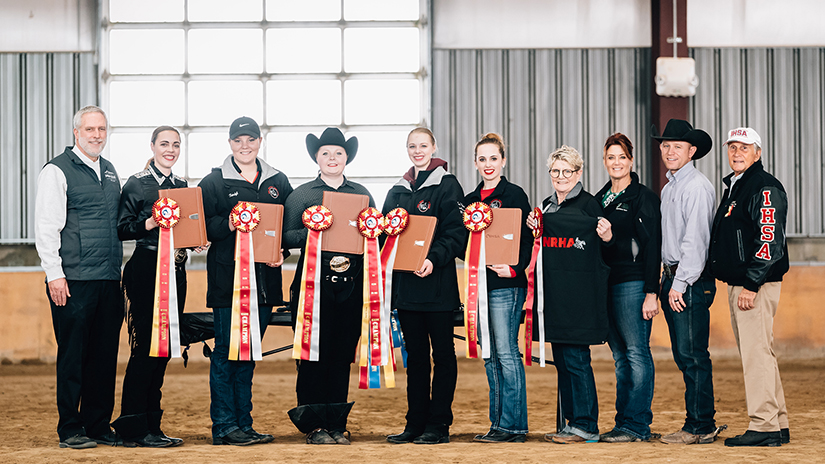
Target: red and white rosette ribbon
point(477, 217)
point(535, 281)
point(245, 332)
point(395, 222)
point(306, 344)
point(375, 321)
point(165, 325)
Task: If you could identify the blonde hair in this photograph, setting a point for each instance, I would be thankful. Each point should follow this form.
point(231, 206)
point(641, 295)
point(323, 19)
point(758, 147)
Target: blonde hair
point(568, 154)
point(422, 130)
point(493, 139)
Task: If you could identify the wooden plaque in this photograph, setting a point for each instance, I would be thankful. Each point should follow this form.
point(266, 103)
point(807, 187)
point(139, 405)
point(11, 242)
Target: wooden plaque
point(266, 238)
point(343, 235)
point(414, 243)
point(190, 232)
point(503, 237)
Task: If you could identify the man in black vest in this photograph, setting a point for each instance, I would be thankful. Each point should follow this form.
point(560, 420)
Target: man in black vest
point(76, 212)
point(749, 253)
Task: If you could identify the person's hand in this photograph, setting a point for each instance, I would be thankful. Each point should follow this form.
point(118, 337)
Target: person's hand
point(201, 248)
point(650, 307)
point(59, 291)
point(501, 270)
point(231, 225)
point(150, 223)
point(426, 269)
point(746, 300)
point(604, 229)
point(531, 220)
point(675, 300)
point(280, 260)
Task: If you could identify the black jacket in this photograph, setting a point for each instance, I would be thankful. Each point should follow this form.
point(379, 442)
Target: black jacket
point(89, 246)
point(747, 242)
point(136, 200)
point(636, 221)
point(575, 276)
point(508, 195)
point(434, 193)
point(222, 189)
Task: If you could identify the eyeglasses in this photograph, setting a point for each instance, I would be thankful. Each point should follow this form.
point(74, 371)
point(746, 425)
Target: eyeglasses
point(567, 173)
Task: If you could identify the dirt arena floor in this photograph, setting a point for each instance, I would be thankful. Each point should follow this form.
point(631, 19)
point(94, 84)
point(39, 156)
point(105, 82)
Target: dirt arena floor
point(29, 417)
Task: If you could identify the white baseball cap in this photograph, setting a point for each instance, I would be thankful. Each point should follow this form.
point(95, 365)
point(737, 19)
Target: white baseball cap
point(745, 135)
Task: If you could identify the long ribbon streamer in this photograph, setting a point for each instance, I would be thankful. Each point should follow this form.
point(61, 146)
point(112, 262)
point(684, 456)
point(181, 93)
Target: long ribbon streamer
point(165, 339)
point(308, 322)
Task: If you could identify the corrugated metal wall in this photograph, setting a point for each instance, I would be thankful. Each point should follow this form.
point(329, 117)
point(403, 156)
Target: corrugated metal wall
point(539, 100)
point(780, 92)
point(39, 94)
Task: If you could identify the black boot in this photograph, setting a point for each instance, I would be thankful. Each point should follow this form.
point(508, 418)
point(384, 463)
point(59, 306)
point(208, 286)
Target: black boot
point(153, 422)
point(337, 414)
point(135, 432)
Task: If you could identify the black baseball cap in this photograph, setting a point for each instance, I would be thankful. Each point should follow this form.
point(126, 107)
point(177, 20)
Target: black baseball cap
point(244, 126)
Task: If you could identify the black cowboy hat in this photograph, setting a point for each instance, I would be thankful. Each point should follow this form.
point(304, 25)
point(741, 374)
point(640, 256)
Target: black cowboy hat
point(678, 129)
point(332, 136)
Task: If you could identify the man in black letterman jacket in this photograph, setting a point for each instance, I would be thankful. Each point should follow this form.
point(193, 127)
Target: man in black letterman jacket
point(749, 253)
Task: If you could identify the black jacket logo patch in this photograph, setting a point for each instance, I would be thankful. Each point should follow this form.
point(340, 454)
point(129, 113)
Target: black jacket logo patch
point(273, 192)
point(495, 203)
point(423, 206)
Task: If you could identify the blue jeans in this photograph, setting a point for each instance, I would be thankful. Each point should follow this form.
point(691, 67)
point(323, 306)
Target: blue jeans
point(629, 339)
point(505, 371)
point(230, 382)
point(689, 332)
point(579, 403)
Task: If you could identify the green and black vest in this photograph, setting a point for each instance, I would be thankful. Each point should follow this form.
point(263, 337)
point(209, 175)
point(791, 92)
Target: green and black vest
point(89, 246)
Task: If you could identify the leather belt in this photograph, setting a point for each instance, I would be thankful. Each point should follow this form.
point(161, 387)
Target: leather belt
point(670, 270)
point(335, 278)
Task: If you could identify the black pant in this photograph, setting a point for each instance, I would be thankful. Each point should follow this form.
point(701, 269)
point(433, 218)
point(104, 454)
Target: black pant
point(87, 331)
point(428, 410)
point(144, 373)
point(327, 380)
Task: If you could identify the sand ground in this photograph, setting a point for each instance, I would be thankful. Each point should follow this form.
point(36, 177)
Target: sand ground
point(29, 414)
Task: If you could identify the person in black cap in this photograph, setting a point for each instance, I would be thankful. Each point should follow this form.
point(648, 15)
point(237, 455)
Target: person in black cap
point(242, 177)
point(322, 386)
point(688, 200)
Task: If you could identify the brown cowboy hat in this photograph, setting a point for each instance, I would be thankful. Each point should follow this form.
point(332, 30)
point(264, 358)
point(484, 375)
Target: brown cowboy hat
point(678, 129)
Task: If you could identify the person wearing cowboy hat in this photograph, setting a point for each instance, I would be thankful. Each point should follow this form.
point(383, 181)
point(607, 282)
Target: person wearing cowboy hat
point(688, 201)
point(750, 223)
point(322, 386)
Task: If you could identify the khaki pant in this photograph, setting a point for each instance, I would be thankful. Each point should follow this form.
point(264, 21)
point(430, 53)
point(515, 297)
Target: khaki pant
point(753, 330)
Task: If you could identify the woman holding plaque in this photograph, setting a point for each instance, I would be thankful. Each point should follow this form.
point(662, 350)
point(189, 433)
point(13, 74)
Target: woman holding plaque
point(635, 261)
point(427, 298)
point(322, 386)
point(140, 412)
point(506, 289)
point(575, 287)
point(243, 177)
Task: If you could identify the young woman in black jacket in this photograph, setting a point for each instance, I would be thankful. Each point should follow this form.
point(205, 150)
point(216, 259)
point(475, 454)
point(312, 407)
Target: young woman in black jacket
point(427, 298)
point(506, 289)
point(140, 411)
point(635, 260)
point(242, 177)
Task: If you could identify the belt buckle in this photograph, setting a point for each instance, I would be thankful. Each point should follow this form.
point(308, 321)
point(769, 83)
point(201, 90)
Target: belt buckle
point(339, 264)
